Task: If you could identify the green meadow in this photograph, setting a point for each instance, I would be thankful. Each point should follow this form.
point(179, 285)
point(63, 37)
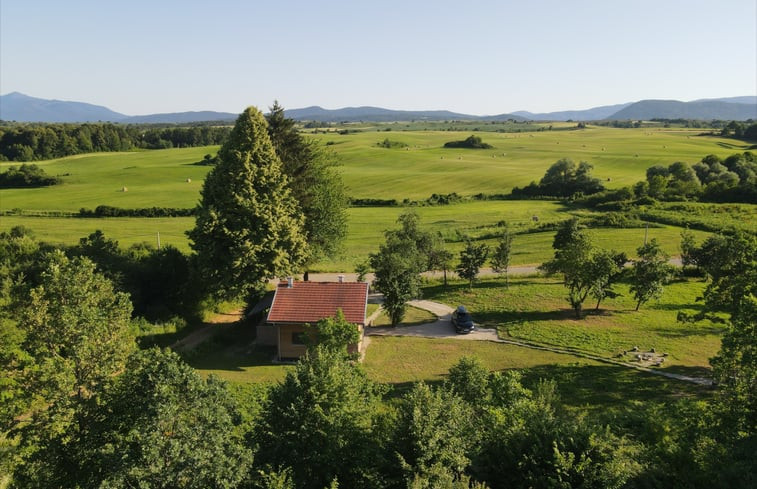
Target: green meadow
point(366, 226)
point(620, 157)
point(159, 177)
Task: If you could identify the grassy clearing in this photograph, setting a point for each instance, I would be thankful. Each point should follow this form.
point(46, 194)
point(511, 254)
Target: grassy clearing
point(582, 383)
point(534, 309)
point(126, 230)
point(159, 177)
point(413, 317)
point(477, 219)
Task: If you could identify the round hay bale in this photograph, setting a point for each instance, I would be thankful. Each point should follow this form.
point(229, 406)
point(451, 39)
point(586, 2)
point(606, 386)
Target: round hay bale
point(189, 180)
point(124, 189)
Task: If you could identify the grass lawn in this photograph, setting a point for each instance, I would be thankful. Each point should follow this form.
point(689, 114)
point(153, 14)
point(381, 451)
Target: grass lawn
point(413, 316)
point(126, 230)
point(534, 309)
point(590, 385)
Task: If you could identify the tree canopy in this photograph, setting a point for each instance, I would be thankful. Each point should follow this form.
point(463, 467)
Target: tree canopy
point(249, 227)
point(314, 183)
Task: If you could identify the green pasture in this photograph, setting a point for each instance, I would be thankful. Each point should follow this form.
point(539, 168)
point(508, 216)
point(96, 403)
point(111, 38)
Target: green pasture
point(482, 218)
point(534, 309)
point(620, 157)
point(126, 230)
point(366, 226)
point(156, 178)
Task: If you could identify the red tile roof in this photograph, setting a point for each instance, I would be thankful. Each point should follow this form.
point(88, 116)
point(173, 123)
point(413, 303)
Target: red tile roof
point(308, 302)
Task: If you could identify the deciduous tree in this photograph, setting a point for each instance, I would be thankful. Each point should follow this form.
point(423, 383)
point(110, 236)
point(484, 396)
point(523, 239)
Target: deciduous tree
point(650, 273)
point(500, 259)
point(472, 258)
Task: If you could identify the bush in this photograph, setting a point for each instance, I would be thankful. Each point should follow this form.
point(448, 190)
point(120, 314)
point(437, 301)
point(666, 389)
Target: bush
point(26, 176)
point(471, 142)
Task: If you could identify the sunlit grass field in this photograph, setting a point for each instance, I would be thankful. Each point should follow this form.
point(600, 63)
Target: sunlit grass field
point(156, 178)
point(366, 226)
point(534, 309)
point(620, 157)
point(159, 177)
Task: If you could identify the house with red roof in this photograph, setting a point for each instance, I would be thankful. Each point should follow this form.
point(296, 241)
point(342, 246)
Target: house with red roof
point(297, 304)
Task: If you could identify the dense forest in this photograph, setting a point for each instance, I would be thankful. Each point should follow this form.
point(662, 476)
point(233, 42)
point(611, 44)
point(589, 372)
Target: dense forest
point(32, 142)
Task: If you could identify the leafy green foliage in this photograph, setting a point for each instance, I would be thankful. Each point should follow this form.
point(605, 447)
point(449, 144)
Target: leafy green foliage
point(398, 264)
point(471, 142)
point(649, 273)
point(314, 183)
point(563, 179)
point(434, 428)
point(76, 330)
point(249, 228)
point(334, 334)
point(472, 258)
point(26, 176)
point(158, 425)
point(500, 259)
point(320, 416)
point(27, 142)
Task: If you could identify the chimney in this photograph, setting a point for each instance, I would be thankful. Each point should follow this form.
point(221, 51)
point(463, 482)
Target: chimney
point(341, 279)
point(290, 282)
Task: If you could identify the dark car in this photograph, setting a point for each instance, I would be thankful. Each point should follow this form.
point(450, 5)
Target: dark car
point(462, 320)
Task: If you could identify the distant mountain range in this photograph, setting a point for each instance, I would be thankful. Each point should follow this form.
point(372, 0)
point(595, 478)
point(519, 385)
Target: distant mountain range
point(23, 108)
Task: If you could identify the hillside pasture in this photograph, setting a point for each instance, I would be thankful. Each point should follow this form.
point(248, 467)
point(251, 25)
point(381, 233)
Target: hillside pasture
point(620, 157)
point(156, 178)
point(159, 177)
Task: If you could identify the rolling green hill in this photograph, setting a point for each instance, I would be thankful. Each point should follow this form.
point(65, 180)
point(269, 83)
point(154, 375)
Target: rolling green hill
point(159, 178)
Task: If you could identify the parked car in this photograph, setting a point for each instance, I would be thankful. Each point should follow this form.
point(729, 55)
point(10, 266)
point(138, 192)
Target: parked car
point(462, 320)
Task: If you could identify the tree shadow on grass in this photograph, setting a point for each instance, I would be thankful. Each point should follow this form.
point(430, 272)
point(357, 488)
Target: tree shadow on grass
point(603, 386)
point(510, 317)
point(598, 387)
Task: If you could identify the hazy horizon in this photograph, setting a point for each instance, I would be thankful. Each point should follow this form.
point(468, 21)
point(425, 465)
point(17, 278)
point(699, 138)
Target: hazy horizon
point(482, 58)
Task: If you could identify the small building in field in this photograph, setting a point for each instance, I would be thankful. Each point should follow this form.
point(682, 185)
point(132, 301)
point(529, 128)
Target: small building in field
point(297, 304)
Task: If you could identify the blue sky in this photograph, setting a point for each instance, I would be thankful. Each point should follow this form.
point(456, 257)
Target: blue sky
point(477, 57)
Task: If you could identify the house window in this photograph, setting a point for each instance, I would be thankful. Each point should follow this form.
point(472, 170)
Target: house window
point(298, 338)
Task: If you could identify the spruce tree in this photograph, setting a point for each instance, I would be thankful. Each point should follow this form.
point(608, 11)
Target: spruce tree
point(249, 228)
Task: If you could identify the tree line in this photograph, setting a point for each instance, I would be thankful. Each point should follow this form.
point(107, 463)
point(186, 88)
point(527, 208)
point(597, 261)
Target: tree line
point(33, 142)
point(712, 179)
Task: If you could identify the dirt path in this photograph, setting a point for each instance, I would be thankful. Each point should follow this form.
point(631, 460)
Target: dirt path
point(216, 324)
point(442, 328)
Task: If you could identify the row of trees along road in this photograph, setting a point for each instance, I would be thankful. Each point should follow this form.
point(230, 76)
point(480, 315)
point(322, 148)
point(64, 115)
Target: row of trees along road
point(272, 205)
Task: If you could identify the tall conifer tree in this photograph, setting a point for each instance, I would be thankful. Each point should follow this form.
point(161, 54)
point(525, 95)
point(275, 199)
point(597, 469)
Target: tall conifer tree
point(249, 227)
